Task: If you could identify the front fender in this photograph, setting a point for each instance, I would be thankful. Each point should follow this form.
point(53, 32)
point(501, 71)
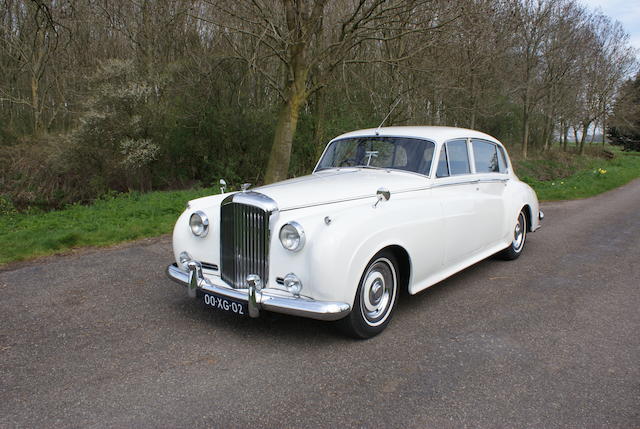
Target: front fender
point(337, 253)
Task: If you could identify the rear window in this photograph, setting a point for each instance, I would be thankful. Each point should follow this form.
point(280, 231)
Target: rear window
point(502, 160)
point(485, 157)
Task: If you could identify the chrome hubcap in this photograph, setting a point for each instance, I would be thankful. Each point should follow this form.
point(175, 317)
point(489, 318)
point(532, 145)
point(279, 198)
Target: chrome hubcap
point(519, 233)
point(378, 292)
point(375, 295)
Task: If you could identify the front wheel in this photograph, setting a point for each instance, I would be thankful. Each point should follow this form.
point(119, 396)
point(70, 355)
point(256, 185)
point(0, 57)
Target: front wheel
point(375, 299)
point(519, 237)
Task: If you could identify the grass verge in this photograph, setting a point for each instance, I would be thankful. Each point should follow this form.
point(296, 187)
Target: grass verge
point(132, 216)
point(595, 176)
point(108, 221)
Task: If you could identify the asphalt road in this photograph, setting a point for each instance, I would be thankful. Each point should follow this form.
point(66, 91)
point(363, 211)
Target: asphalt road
point(102, 339)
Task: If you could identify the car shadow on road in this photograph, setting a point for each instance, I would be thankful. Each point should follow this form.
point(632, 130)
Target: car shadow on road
point(411, 309)
point(267, 326)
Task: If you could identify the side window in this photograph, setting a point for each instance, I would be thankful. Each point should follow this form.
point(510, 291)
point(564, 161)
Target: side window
point(458, 157)
point(485, 155)
point(502, 160)
point(443, 167)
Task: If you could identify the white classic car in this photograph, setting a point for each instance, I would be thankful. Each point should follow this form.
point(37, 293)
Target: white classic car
point(384, 209)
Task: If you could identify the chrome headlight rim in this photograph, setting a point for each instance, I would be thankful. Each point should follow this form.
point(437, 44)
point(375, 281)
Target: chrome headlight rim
point(203, 224)
point(293, 284)
point(301, 240)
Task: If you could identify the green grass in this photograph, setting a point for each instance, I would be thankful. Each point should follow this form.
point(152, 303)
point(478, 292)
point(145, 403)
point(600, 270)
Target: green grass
point(132, 216)
point(597, 175)
point(107, 221)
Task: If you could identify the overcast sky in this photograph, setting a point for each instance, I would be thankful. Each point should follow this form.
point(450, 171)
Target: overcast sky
point(625, 11)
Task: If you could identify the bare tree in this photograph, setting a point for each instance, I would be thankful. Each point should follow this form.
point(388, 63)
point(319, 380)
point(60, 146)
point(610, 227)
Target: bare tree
point(31, 42)
point(310, 39)
point(607, 61)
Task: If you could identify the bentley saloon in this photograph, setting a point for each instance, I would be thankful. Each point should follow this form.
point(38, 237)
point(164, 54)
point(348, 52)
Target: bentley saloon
point(385, 210)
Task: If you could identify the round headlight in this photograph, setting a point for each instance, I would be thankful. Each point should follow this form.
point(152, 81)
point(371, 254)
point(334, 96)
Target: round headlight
point(199, 224)
point(292, 236)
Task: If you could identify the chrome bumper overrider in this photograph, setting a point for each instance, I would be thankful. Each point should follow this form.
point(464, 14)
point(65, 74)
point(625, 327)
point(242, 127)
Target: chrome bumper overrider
point(258, 299)
point(540, 219)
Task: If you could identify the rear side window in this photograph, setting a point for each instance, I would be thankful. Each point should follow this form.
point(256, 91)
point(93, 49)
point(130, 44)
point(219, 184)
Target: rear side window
point(502, 160)
point(485, 157)
point(458, 157)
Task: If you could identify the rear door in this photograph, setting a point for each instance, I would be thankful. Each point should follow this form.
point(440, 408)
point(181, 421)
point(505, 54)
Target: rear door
point(455, 187)
point(490, 170)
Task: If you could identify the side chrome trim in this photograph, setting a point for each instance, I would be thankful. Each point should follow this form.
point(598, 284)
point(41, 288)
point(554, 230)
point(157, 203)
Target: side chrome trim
point(296, 306)
point(496, 180)
point(460, 182)
point(472, 181)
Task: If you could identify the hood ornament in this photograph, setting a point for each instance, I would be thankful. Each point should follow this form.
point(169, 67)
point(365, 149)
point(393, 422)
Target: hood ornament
point(223, 185)
point(245, 186)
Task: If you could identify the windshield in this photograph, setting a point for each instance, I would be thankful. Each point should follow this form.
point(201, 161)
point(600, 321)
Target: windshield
point(398, 153)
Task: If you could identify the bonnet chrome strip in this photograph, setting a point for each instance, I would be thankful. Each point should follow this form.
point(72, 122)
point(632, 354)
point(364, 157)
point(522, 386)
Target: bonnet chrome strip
point(361, 197)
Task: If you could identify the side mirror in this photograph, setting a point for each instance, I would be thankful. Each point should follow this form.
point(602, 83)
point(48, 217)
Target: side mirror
point(223, 186)
point(382, 194)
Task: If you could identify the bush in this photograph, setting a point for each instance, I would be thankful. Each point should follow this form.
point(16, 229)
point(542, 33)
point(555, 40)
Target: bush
point(628, 138)
point(139, 131)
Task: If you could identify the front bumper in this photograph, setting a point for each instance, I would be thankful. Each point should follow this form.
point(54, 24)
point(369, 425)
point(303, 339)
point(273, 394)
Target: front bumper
point(258, 299)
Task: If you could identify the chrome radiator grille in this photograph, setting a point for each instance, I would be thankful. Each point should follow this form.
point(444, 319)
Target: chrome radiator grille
point(244, 243)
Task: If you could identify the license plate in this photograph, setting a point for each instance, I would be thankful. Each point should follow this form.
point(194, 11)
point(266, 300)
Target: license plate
point(225, 304)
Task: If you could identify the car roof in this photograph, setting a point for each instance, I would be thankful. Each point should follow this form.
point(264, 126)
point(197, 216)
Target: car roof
point(436, 134)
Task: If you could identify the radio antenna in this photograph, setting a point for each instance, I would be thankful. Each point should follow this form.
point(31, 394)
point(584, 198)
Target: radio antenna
point(388, 114)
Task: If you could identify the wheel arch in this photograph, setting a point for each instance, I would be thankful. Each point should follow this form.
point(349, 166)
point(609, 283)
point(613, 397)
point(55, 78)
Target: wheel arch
point(404, 265)
point(528, 218)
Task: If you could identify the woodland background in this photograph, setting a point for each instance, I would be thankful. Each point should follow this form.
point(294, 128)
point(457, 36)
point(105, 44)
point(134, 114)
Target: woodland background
point(104, 96)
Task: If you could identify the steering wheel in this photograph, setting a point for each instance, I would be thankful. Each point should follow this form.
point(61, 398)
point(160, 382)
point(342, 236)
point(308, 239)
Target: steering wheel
point(348, 162)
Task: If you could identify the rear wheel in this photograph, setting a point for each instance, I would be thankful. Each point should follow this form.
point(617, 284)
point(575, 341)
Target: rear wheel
point(375, 299)
point(519, 237)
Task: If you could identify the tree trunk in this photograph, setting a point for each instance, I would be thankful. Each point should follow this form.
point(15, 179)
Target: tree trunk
point(472, 120)
point(474, 103)
point(548, 132)
point(278, 165)
point(320, 116)
point(566, 137)
point(525, 133)
point(583, 138)
point(301, 25)
point(35, 104)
